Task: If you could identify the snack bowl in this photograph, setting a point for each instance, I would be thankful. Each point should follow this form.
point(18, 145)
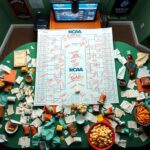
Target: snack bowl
point(142, 115)
point(10, 127)
point(101, 136)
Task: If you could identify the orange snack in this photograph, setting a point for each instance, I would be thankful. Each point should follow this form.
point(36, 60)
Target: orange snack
point(143, 114)
point(47, 117)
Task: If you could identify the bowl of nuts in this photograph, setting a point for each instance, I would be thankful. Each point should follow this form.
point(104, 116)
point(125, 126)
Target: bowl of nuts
point(101, 136)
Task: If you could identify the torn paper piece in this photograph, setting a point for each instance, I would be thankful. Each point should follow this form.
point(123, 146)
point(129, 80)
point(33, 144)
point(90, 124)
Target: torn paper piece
point(15, 91)
point(33, 62)
point(86, 128)
point(143, 72)
point(116, 53)
point(10, 109)
point(141, 96)
point(141, 58)
point(23, 119)
point(118, 112)
point(29, 99)
point(131, 84)
point(122, 60)
point(19, 79)
point(143, 137)
point(36, 113)
point(90, 117)
point(2, 138)
point(37, 122)
point(132, 124)
point(117, 138)
point(121, 72)
point(70, 119)
point(5, 68)
point(122, 143)
point(67, 110)
point(24, 142)
point(127, 107)
point(18, 110)
point(133, 94)
point(69, 140)
point(77, 139)
point(113, 123)
point(59, 108)
point(124, 93)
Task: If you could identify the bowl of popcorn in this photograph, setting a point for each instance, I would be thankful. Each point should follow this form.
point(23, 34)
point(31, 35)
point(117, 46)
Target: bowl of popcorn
point(101, 136)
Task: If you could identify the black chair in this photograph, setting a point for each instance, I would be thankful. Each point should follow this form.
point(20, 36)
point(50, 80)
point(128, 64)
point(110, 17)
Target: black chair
point(41, 21)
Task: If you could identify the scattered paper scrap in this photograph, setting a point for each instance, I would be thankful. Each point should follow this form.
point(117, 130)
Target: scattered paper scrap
point(131, 84)
point(15, 91)
point(118, 112)
point(10, 109)
point(77, 139)
point(20, 58)
point(5, 68)
point(127, 107)
point(122, 143)
point(70, 119)
point(86, 128)
point(141, 58)
point(121, 72)
point(132, 124)
point(143, 137)
point(37, 122)
point(69, 140)
point(19, 79)
point(89, 116)
point(24, 142)
point(143, 72)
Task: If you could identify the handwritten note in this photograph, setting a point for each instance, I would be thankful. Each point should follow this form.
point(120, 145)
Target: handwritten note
point(20, 58)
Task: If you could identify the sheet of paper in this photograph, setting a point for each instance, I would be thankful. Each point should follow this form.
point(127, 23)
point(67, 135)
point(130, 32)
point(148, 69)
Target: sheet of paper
point(37, 122)
point(86, 128)
point(131, 84)
point(69, 140)
point(5, 68)
point(143, 137)
point(122, 143)
point(132, 124)
point(89, 116)
point(143, 72)
point(121, 72)
point(67, 60)
point(24, 142)
point(19, 79)
point(10, 109)
point(20, 58)
point(70, 119)
point(127, 107)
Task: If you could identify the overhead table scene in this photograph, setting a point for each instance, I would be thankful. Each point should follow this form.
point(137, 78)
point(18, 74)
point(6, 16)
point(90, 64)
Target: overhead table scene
point(28, 117)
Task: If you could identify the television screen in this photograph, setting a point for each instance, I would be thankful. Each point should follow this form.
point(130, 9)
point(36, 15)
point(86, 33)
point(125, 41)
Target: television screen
point(63, 12)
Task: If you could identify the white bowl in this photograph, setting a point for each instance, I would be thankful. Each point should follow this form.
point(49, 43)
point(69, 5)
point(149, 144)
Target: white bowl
point(8, 131)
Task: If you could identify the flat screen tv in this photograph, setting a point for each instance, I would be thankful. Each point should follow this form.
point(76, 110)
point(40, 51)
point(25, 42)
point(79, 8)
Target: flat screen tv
point(85, 12)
